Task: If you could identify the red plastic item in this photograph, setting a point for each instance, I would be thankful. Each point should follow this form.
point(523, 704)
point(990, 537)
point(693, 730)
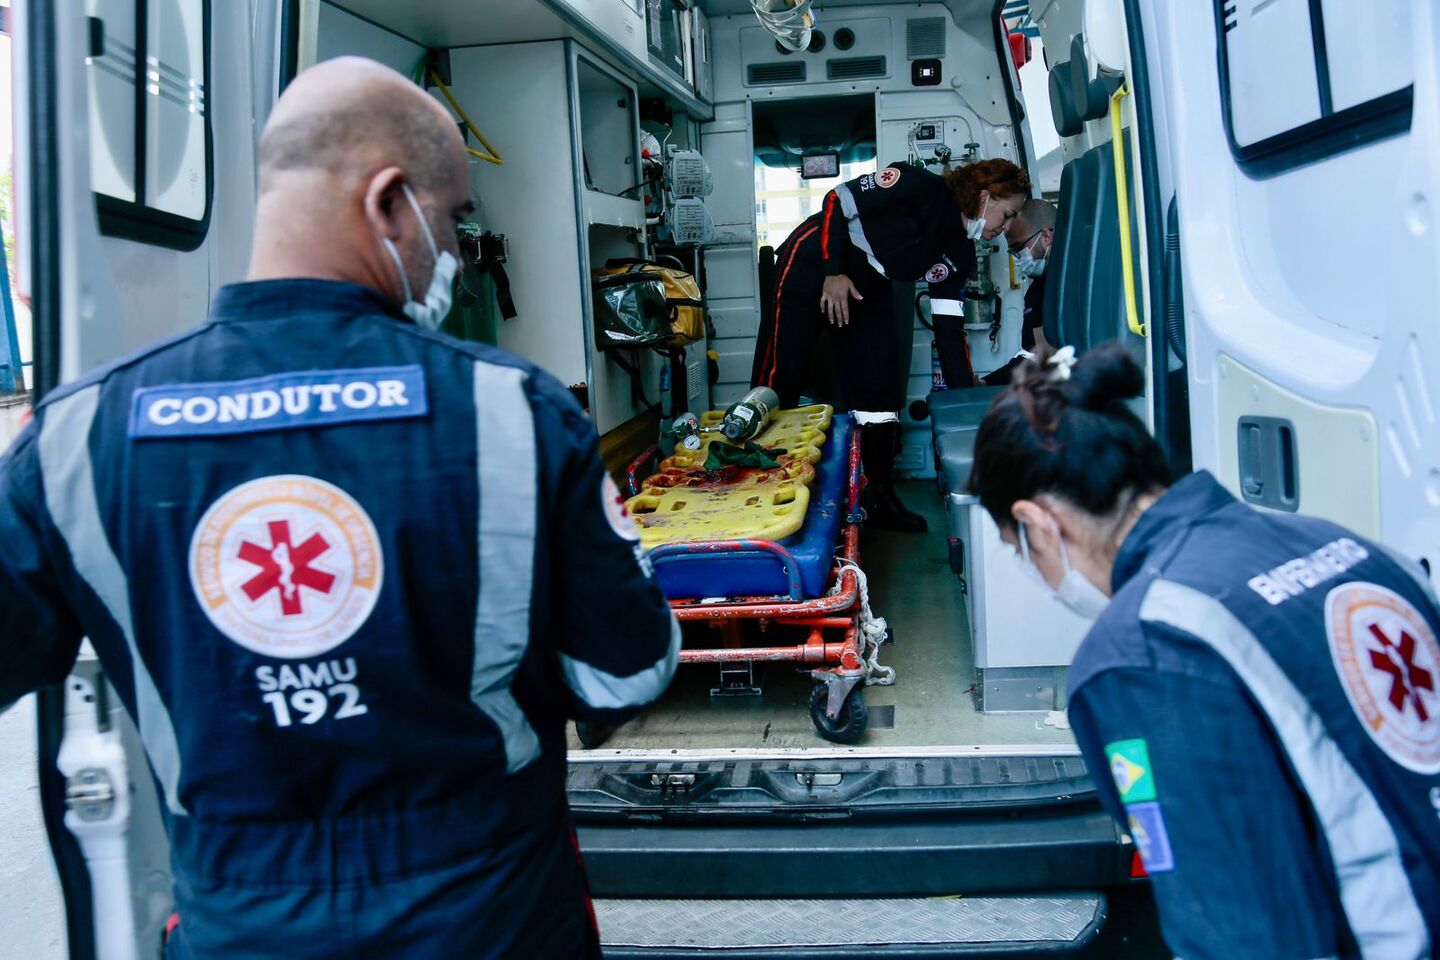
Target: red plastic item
point(1019, 50)
point(1137, 867)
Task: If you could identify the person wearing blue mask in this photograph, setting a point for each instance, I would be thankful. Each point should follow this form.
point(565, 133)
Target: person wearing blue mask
point(1030, 236)
point(350, 576)
point(1259, 696)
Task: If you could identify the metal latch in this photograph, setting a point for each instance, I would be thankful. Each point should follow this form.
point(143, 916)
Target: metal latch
point(819, 779)
point(671, 785)
point(90, 794)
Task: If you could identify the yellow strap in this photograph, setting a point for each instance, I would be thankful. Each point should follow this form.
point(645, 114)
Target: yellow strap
point(494, 155)
point(1122, 202)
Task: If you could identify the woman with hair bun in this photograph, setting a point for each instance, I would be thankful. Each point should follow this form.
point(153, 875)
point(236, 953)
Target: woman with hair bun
point(902, 224)
point(1259, 697)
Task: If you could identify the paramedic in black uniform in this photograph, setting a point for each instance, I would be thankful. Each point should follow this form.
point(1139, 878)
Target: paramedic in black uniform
point(1030, 235)
point(901, 223)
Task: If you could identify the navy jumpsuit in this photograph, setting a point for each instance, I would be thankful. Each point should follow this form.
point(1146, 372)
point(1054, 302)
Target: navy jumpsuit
point(1261, 704)
point(350, 578)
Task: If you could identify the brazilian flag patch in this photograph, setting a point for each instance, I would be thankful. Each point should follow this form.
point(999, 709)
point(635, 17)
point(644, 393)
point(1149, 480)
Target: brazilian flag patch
point(1130, 768)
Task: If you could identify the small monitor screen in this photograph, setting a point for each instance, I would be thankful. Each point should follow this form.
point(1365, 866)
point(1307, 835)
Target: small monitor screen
point(819, 166)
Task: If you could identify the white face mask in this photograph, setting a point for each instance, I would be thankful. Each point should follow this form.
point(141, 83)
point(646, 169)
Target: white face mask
point(975, 229)
point(1075, 590)
point(1026, 265)
point(431, 313)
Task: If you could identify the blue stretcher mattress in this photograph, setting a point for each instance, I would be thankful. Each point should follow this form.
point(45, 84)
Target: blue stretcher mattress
point(693, 575)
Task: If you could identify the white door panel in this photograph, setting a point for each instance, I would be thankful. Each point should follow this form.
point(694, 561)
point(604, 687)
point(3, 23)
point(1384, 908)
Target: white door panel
point(1319, 280)
point(122, 291)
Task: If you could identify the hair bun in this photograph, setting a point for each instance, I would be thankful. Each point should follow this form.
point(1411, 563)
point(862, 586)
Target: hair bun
point(1105, 375)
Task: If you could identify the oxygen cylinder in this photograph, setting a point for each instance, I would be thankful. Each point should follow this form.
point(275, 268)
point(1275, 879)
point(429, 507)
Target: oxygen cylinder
point(747, 418)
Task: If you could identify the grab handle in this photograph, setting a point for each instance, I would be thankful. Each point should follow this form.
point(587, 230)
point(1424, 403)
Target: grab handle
point(1122, 201)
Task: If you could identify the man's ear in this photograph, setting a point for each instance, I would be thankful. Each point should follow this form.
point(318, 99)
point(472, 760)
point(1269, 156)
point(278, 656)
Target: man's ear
point(384, 196)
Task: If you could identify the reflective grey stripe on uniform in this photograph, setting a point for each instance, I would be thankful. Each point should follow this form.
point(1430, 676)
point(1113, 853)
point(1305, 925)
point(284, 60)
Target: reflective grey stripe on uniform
point(69, 479)
point(1374, 888)
point(605, 691)
point(952, 308)
point(857, 232)
point(508, 494)
point(1413, 568)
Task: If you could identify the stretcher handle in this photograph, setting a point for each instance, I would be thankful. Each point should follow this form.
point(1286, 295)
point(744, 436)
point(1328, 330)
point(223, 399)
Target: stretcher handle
point(671, 553)
point(633, 477)
point(857, 479)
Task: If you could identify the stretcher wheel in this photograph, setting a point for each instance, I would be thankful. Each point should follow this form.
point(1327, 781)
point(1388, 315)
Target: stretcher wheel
point(849, 726)
point(592, 735)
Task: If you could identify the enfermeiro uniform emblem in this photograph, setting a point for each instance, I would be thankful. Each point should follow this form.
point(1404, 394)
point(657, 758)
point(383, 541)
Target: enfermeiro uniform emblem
point(1388, 661)
point(286, 566)
point(887, 177)
point(937, 273)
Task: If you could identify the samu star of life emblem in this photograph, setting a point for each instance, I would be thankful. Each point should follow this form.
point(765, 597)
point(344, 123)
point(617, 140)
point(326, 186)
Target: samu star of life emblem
point(1389, 665)
point(287, 566)
point(887, 177)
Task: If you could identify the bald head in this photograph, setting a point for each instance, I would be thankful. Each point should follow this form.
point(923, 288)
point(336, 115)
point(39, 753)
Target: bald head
point(363, 176)
point(351, 116)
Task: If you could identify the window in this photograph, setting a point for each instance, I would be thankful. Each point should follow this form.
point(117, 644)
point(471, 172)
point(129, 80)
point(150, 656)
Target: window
point(783, 200)
point(150, 141)
point(1305, 79)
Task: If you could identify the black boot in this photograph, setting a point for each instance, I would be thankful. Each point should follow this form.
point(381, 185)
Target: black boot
point(883, 508)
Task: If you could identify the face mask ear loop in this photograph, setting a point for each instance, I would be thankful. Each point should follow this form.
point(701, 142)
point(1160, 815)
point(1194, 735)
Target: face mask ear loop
point(424, 225)
point(1060, 539)
point(389, 246)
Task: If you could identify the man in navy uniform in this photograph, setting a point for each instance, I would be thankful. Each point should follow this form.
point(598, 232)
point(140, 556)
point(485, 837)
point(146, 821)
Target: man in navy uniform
point(350, 576)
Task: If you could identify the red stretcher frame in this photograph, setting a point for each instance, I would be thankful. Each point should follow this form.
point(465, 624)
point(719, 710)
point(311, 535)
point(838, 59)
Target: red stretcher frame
point(838, 663)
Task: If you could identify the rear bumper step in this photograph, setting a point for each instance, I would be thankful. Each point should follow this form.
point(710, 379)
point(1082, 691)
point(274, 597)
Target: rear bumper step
point(1075, 849)
point(919, 927)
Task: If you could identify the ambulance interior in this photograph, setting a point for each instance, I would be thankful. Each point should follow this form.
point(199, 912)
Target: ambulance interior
point(577, 107)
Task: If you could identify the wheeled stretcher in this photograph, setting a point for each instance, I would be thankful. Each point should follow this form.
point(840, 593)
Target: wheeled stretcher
point(804, 594)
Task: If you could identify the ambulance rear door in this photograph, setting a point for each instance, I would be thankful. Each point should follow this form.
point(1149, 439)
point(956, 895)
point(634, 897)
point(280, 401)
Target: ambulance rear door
point(1302, 139)
point(136, 125)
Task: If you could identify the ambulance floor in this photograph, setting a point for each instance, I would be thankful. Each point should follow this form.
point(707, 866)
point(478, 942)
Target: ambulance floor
point(930, 705)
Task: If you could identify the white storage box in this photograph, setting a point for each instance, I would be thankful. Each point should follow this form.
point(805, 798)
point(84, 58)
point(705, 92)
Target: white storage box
point(1024, 639)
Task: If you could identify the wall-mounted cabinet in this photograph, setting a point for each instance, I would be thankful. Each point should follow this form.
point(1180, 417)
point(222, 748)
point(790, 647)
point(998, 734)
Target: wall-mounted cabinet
point(568, 126)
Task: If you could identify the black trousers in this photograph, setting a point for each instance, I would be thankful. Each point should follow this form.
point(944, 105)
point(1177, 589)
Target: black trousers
point(865, 348)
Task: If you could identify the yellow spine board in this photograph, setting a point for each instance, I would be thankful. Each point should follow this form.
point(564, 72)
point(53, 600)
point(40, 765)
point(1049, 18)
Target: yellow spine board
point(672, 474)
point(684, 503)
point(737, 512)
point(799, 432)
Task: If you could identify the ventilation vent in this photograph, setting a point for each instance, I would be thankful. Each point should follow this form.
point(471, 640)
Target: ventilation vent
point(771, 74)
point(855, 68)
point(925, 38)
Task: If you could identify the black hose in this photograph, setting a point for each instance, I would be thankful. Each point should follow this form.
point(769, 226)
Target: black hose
point(920, 314)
